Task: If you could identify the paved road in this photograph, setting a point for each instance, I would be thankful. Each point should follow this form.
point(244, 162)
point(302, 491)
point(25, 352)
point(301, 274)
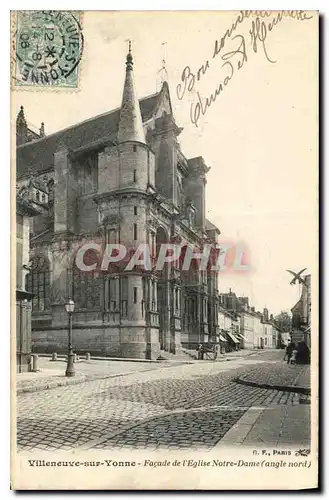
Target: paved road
point(186, 406)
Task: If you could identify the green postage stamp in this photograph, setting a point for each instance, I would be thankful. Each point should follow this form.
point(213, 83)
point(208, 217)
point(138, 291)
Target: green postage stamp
point(48, 47)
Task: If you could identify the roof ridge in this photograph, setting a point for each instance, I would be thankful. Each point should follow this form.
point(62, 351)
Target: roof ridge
point(21, 146)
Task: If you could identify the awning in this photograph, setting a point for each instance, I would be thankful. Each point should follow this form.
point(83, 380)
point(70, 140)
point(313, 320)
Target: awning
point(222, 338)
point(240, 335)
point(233, 338)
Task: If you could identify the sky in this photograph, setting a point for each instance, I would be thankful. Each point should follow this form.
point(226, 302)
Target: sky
point(259, 136)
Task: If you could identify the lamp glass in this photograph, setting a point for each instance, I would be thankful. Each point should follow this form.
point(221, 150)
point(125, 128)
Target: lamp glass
point(69, 306)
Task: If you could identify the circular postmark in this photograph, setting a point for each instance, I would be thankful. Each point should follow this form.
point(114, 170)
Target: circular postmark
point(48, 48)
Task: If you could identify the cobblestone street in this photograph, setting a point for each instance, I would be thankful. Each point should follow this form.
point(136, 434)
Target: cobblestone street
point(174, 406)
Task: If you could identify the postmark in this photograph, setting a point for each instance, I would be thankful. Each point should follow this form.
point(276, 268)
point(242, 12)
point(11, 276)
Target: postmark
point(48, 47)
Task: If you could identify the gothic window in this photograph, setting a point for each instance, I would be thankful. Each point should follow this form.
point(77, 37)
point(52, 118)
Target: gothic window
point(124, 296)
point(154, 304)
point(144, 296)
point(112, 284)
point(88, 174)
point(38, 283)
point(86, 288)
point(180, 190)
point(176, 299)
point(111, 236)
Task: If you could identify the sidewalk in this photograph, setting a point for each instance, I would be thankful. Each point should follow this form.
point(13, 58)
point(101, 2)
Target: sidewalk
point(279, 426)
point(280, 376)
point(52, 373)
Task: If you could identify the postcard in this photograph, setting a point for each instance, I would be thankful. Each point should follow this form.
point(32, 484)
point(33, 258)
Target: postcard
point(164, 250)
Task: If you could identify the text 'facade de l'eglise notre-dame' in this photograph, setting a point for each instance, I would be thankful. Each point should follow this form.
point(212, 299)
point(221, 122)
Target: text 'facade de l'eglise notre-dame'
point(118, 177)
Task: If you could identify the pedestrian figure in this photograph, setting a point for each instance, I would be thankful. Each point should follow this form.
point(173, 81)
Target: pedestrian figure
point(200, 351)
point(290, 348)
point(293, 357)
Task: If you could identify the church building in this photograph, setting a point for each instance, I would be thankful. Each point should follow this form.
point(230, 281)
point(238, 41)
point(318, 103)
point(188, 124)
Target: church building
point(119, 177)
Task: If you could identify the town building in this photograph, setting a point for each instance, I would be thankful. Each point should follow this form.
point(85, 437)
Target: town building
point(256, 330)
point(270, 331)
point(120, 177)
point(301, 315)
point(229, 330)
point(247, 328)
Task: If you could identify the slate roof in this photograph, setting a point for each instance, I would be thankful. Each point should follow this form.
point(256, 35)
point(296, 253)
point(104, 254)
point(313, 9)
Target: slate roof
point(39, 155)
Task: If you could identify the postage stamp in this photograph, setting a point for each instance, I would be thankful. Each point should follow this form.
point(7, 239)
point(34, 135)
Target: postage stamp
point(48, 47)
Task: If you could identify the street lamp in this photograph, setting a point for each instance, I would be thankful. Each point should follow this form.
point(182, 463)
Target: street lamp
point(70, 371)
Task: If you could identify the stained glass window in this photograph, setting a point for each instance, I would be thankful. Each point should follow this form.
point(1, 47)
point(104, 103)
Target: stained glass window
point(38, 283)
point(86, 289)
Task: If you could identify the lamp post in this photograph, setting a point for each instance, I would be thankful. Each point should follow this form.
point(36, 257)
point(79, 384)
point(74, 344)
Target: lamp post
point(70, 371)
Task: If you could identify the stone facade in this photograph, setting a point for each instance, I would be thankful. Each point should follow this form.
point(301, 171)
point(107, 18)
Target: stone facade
point(301, 315)
point(24, 213)
point(122, 178)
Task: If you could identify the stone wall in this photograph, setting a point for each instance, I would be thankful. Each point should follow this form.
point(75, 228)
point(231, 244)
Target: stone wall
point(114, 341)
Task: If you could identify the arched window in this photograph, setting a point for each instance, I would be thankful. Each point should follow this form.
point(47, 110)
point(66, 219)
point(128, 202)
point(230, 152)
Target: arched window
point(86, 288)
point(38, 283)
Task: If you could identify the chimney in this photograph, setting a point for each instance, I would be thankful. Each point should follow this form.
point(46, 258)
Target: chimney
point(265, 314)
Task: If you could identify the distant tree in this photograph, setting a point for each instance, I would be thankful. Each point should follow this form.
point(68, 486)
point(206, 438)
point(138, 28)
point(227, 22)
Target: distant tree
point(283, 320)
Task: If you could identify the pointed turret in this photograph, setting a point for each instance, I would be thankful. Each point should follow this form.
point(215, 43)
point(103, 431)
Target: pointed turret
point(130, 124)
point(21, 127)
point(20, 121)
point(42, 130)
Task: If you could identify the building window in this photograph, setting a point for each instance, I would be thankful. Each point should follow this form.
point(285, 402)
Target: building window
point(87, 172)
point(112, 294)
point(135, 232)
point(135, 210)
point(38, 283)
point(112, 236)
point(135, 176)
point(154, 304)
point(86, 289)
point(134, 148)
point(124, 296)
point(135, 295)
point(37, 196)
point(19, 226)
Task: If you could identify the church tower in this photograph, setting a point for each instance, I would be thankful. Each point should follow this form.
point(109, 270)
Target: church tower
point(126, 173)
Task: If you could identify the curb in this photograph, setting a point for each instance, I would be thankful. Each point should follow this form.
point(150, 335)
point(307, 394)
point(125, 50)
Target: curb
point(62, 357)
point(288, 388)
point(72, 381)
